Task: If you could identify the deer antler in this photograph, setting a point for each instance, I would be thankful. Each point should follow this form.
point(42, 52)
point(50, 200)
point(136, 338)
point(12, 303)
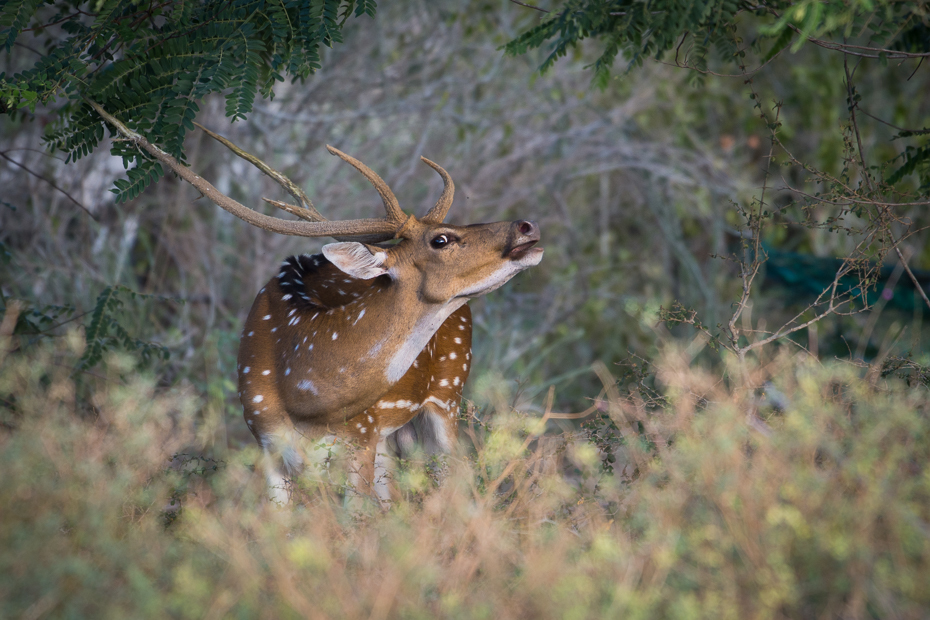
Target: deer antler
point(370, 230)
point(438, 213)
point(306, 210)
point(387, 196)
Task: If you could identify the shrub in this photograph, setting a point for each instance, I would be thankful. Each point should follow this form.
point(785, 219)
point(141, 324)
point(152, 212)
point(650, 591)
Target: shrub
point(820, 510)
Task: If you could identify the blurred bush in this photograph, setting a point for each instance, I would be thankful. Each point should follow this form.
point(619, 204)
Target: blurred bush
point(822, 510)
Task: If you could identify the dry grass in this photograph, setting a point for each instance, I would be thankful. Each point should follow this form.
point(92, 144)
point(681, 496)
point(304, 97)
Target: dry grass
point(825, 516)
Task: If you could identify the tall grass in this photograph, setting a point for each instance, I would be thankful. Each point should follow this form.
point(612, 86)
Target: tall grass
point(821, 511)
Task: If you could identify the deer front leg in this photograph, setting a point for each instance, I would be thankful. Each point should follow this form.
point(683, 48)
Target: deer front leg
point(433, 430)
point(368, 476)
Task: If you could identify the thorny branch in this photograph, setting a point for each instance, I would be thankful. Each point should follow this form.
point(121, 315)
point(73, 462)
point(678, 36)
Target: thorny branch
point(853, 104)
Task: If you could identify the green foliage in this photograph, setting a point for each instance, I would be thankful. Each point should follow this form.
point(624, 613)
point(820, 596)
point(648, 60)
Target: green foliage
point(36, 321)
point(105, 333)
point(636, 29)
point(916, 159)
point(731, 29)
point(641, 30)
point(150, 64)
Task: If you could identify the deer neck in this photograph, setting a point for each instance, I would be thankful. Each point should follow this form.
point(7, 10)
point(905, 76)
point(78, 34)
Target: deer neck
point(413, 322)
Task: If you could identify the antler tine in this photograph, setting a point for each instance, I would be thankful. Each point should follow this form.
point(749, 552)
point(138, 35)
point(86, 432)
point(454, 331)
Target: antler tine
point(438, 213)
point(383, 229)
point(289, 186)
point(387, 196)
point(306, 210)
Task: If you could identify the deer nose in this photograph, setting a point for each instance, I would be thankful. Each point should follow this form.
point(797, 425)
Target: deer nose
point(524, 236)
point(528, 229)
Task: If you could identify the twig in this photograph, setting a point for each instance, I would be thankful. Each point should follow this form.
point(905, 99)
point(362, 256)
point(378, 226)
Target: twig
point(714, 73)
point(782, 332)
point(868, 180)
point(54, 327)
point(846, 47)
point(42, 178)
point(27, 47)
point(547, 415)
point(529, 6)
point(885, 122)
point(748, 275)
point(851, 200)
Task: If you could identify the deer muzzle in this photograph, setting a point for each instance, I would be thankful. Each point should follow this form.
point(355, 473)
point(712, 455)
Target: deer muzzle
point(525, 235)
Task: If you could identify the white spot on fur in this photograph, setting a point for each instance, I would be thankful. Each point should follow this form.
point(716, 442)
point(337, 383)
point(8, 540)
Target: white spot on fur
point(258, 399)
point(335, 335)
point(266, 317)
point(286, 297)
point(266, 372)
point(246, 370)
point(440, 403)
point(306, 385)
point(458, 340)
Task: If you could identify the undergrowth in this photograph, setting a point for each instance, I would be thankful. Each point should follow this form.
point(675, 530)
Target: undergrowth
point(668, 504)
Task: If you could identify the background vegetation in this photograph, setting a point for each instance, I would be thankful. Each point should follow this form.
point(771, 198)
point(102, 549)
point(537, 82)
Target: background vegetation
point(789, 481)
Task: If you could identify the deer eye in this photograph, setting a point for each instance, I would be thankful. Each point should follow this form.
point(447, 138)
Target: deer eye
point(439, 241)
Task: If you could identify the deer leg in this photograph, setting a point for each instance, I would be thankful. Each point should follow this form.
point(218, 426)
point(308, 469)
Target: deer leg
point(436, 430)
point(384, 473)
point(433, 430)
point(281, 463)
point(364, 475)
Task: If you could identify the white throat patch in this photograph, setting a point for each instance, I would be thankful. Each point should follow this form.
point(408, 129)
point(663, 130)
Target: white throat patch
point(419, 336)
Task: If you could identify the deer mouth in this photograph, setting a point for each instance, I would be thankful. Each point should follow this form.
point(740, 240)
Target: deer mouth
point(522, 250)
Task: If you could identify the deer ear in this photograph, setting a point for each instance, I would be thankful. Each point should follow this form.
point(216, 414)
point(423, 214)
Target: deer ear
point(356, 259)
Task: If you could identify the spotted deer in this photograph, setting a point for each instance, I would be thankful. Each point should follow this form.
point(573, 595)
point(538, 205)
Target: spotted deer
point(366, 341)
point(373, 342)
